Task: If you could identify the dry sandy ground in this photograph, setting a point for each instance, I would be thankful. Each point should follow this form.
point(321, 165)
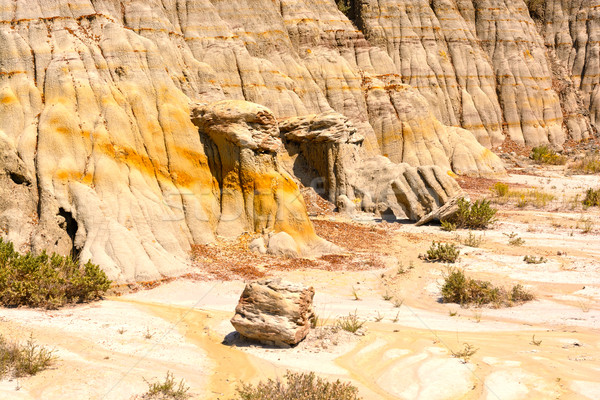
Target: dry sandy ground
point(108, 349)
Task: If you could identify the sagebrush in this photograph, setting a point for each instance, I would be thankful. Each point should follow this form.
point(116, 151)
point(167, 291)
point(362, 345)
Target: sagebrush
point(47, 281)
point(458, 288)
point(299, 386)
point(477, 215)
point(442, 252)
point(592, 198)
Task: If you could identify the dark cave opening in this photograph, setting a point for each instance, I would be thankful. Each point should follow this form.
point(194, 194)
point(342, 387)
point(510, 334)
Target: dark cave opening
point(70, 226)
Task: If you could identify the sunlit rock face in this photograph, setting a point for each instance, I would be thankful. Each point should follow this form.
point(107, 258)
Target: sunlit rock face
point(570, 32)
point(482, 65)
point(100, 155)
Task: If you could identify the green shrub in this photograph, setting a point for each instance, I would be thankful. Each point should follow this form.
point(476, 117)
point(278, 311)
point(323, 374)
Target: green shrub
point(47, 281)
point(448, 226)
point(344, 6)
point(477, 215)
point(500, 189)
point(167, 390)
point(514, 239)
point(23, 360)
point(592, 198)
point(519, 294)
point(546, 155)
point(460, 289)
point(299, 386)
point(443, 252)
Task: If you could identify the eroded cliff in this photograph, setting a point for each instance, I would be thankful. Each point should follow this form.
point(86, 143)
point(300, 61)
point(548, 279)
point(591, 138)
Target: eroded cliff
point(100, 154)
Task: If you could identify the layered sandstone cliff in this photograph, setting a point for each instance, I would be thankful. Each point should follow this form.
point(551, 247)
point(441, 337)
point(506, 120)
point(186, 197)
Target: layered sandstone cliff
point(100, 154)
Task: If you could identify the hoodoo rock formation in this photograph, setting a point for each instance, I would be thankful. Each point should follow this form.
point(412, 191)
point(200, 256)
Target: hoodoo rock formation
point(100, 157)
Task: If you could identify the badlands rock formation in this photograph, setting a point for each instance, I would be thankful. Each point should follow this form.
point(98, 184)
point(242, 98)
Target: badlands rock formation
point(274, 311)
point(328, 155)
point(482, 65)
point(100, 155)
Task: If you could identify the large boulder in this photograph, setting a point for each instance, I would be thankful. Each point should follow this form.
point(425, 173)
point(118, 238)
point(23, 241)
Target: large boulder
point(274, 311)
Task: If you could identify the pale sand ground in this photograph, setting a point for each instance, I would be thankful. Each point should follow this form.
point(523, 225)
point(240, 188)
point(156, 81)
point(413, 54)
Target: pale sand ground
point(104, 352)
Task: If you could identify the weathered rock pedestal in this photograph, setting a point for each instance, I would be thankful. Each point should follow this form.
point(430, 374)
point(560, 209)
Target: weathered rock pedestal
point(274, 312)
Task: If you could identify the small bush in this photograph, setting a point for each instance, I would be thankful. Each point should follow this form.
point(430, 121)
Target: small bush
point(351, 323)
point(344, 6)
point(534, 260)
point(514, 239)
point(546, 155)
point(299, 386)
point(443, 252)
point(519, 294)
point(23, 360)
point(477, 215)
point(460, 289)
point(473, 240)
point(500, 189)
point(167, 390)
point(47, 281)
point(466, 353)
point(592, 198)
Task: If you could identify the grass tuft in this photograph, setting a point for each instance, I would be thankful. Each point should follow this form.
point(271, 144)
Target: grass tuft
point(351, 323)
point(167, 390)
point(466, 353)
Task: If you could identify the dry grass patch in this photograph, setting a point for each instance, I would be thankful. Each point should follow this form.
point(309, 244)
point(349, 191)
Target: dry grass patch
point(589, 164)
point(167, 390)
point(521, 198)
point(23, 359)
point(299, 386)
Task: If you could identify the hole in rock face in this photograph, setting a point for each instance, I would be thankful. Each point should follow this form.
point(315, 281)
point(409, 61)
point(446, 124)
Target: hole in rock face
point(19, 179)
point(70, 226)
